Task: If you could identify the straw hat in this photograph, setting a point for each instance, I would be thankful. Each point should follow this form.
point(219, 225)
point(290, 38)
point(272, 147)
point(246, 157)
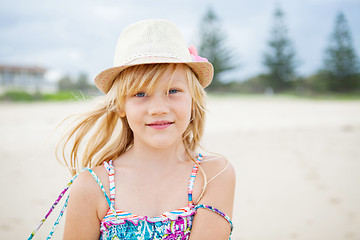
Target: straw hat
point(153, 41)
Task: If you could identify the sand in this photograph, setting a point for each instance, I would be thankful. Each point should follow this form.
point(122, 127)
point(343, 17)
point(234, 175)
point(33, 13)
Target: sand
point(297, 164)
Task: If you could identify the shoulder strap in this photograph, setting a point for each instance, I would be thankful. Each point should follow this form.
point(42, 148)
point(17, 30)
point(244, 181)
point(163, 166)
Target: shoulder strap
point(215, 210)
point(101, 186)
point(66, 203)
point(192, 179)
point(111, 171)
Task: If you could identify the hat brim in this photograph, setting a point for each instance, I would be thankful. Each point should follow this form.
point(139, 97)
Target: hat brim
point(203, 70)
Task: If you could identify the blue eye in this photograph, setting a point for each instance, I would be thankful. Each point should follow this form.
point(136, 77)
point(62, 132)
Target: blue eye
point(140, 94)
point(172, 91)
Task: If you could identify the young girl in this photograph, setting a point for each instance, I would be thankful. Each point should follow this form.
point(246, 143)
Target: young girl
point(141, 144)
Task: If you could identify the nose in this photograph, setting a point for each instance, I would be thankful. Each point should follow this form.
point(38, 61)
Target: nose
point(158, 105)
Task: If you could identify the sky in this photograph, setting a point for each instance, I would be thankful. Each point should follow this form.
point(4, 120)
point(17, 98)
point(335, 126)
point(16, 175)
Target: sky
point(72, 37)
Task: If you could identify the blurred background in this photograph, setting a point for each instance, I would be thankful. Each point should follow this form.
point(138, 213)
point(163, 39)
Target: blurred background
point(284, 105)
point(304, 47)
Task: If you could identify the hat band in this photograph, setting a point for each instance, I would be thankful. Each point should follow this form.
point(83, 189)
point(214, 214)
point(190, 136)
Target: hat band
point(151, 59)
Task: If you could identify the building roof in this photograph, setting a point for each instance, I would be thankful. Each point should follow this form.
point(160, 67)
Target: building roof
point(17, 68)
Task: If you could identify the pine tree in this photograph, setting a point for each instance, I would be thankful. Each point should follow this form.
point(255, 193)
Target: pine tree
point(341, 64)
point(213, 47)
point(279, 60)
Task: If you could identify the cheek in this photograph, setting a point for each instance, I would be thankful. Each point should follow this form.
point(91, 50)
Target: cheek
point(131, 114)
point(185, 109)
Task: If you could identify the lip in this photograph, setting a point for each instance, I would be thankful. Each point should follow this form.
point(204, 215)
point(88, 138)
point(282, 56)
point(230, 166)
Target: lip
point(159, 124)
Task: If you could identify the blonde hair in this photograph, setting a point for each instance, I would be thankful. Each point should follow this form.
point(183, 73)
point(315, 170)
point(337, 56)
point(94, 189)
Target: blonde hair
point(103, 134)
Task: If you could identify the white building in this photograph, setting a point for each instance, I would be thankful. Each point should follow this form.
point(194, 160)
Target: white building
point(24, 78)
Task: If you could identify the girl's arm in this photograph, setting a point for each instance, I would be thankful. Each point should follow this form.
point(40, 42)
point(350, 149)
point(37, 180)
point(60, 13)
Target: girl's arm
point(219, 193)
point(82, 220)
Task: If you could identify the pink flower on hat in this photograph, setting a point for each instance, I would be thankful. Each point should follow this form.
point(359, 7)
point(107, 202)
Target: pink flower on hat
point(194, 55)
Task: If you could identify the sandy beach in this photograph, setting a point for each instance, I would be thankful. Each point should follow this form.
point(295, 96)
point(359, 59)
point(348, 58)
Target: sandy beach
point(297, 163)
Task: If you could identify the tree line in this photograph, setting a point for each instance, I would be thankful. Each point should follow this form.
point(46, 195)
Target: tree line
point(80, 83)
point(339, 71)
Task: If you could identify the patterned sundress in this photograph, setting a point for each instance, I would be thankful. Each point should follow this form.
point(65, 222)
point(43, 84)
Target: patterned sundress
point(118, 224)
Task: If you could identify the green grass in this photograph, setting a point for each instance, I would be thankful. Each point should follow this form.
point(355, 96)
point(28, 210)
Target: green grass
point(17, 96)
point(22, 96)
point(62, 96)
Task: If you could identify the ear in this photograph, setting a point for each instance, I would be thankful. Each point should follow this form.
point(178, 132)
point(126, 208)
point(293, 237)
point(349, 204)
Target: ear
point(122, 113)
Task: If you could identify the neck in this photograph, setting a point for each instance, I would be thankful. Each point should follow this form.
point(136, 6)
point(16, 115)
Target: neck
point(146, 155)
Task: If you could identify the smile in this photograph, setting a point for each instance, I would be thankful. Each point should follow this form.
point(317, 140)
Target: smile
point(159, 124)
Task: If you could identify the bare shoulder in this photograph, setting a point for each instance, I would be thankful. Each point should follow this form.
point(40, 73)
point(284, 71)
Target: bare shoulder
point(220, 187)
point(219, 193)
point(85, 191)
point(218, 169)
point(103, 176)
point(86, 199)
point(85, 182)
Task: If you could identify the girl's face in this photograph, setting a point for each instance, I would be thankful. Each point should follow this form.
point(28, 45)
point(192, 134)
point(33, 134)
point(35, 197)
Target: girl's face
point(158, 119)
